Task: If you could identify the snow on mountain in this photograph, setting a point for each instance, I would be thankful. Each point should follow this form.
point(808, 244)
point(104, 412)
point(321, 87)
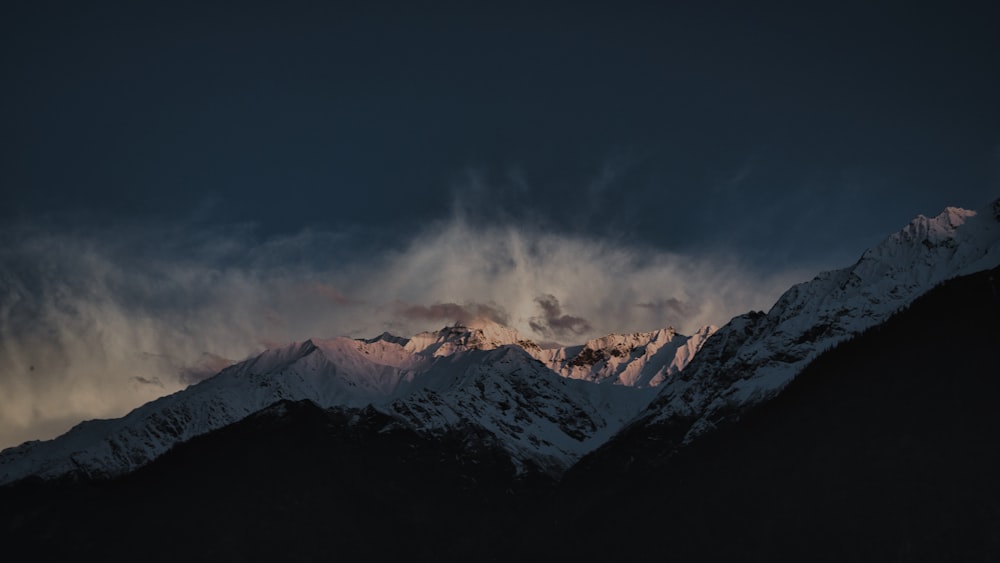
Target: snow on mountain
point(542, 419)
point(640, 359)
point(334, 372)
point(753, 357)
point(478, 335)
point(547, 421)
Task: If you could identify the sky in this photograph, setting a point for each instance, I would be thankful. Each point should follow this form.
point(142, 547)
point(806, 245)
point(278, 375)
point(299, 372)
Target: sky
point(185, 184)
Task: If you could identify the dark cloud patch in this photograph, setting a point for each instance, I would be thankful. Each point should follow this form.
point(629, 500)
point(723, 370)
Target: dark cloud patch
point(453, 312)
point(553, 322)
point(672, 307)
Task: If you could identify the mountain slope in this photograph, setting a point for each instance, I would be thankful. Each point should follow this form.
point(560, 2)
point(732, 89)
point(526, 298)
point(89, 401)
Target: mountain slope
point(433, 381)
point(750, 359)
point(335, 372)
point(542, 419)
point(291, 482)
point(546, 422)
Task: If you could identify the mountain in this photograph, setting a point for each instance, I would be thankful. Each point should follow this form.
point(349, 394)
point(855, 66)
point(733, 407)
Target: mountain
point(754, 356)
point(640, 359)
point(546, 408)
point(545, 421)
point(433, 382)
point(882, 449)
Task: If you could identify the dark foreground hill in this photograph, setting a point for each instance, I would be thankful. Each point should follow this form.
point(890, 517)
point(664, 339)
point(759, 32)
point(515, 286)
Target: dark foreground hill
point(885, 449)
point(293, 482)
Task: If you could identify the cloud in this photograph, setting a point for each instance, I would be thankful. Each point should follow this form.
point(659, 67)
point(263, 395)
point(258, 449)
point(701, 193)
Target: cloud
point(452, 312)
point(553, 323)
point(94, 322)
point(330, 293)
point(672, 306)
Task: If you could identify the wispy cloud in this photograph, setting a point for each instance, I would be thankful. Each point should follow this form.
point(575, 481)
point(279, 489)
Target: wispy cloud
point(95, 322)
point(672, 306)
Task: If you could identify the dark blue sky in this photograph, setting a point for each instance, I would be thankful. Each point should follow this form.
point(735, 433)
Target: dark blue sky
point(784, 132)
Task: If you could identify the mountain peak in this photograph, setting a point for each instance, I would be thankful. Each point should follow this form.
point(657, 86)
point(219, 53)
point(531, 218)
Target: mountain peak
point(955, 215)
point(931, 231)
point(481, 334)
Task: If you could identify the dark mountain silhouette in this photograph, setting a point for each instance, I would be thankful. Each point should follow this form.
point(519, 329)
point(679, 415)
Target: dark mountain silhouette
point(293, 482)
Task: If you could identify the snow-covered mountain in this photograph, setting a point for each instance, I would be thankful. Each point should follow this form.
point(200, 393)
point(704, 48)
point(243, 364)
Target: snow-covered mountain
point(543, 420)
point(753, 357)
point(484, 375)
point(335, 372)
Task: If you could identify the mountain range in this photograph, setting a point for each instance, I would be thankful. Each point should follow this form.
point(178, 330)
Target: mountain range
point(503, 423)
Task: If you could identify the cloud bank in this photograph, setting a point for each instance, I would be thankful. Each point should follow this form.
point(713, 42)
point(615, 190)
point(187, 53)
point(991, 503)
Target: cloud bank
point(553, 323)
point(94, 322)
